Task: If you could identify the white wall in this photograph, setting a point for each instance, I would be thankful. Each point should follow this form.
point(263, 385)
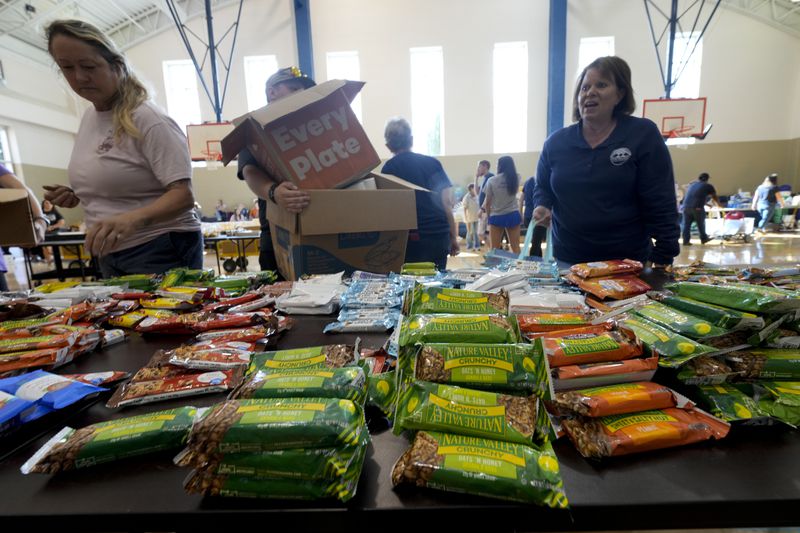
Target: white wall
point(266, 27)
point(39, 110)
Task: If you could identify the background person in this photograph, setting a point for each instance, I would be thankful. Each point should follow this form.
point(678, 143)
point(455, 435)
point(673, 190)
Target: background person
point(471, 217)
point(766, 198)
point(526, 207)
point(502, 209)
point(281, 84)
point(436, 232)
point(606, 182)
point(694, 207)
point(482, 175)
point(130, 166)
point(9, 181)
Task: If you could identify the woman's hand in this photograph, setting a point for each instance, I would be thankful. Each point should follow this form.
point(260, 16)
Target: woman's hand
point(455, 248)
point(40, 227)
point(61, 195)
point(289, 197)
point(541, 216)
point(102, 238)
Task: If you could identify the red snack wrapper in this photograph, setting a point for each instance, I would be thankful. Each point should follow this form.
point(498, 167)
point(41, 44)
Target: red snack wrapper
point(75, 313)
point(614, 399)
point(644, 431)
point(212, 356)
point(197, 322)
point(39, 342)
point(227, 303)
point(614, 287)
point(612, 267)
point(252, 334)
point(195, 384)
point(608, 368)
point(590, 345)
point(99, 379)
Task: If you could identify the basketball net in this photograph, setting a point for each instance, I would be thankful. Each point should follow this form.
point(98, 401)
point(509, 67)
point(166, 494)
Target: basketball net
point(681, 133)
point(213, 159)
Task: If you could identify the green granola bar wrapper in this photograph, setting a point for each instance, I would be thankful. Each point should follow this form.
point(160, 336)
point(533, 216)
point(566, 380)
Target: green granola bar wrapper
point(382, 392)
point(296, 463)
point(674, 350)
point(347, 382)
point(272, 424)
point(113, 440)
point(706, 370)
point(329, 356)
point(423, 300)
point(483, 467)
point(487, 329)
point(680, 322)
point(719, 316)
point(741, 296)
point(781, 400)
point(501, 367)
point(771, 364)
point(436, 407)
point(729, 403)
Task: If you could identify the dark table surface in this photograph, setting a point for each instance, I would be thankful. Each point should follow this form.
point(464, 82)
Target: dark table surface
point(750, 479)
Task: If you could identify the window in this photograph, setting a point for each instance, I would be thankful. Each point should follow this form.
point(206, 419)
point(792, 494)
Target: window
point(427, 99)
point(345, 66)
point(593, 47)
point(5, 150)
point(686, 65)
point(183, 102)
point(257, 69)
point(510, 95)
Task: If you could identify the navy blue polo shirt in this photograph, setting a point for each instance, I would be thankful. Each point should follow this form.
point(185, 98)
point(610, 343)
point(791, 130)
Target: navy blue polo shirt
point(426, 172)
point(697, 193)
point(611, 201)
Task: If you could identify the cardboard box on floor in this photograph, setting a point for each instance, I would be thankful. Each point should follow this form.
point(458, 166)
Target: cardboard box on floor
point(16, 219)
point(310, 137)
point(346, 230)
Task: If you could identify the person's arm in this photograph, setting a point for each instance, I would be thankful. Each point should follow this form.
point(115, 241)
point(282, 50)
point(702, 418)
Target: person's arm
point(655, 184)
point(714, 199)
point(286, 194)
point(487, 201)
point(59, 223)
point(10, 181)
point(448, 203)
point(543, 198)
point(176, 199)
point(779, 199)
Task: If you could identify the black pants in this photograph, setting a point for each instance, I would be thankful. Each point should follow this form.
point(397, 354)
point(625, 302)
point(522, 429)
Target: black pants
point(169, 250)
point(698, 215)
point(266, 254)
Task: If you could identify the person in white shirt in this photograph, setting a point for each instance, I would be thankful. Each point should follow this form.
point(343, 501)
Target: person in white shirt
point(471, 217)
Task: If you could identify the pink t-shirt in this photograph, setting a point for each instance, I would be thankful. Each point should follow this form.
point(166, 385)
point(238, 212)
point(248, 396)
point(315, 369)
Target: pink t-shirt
point(113, 177)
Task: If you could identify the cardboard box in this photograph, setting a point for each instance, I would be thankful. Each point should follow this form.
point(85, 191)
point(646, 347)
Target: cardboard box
point(311, 137)
point(16, 219)
point(346, 230)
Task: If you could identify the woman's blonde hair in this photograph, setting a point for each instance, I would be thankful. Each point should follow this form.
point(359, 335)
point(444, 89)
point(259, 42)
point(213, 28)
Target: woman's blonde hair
point(130, 93)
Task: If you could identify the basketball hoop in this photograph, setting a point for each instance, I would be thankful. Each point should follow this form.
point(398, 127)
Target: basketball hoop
point(213, 159)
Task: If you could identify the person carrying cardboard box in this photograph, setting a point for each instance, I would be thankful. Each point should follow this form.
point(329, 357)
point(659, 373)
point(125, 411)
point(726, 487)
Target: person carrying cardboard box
point(436, 233)
point(284, 82)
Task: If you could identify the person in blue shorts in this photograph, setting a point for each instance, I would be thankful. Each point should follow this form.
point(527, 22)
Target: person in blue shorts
point(436, 233)
point(606, 182)
point(501, 205)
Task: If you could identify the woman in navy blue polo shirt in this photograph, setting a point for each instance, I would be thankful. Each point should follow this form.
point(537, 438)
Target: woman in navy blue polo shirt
point(606, 182)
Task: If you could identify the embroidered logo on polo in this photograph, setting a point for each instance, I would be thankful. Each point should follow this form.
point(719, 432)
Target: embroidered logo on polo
point(620, 156)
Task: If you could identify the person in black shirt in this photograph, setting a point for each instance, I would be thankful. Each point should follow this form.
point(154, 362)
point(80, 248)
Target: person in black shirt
point(286, 194)
point(694, 207)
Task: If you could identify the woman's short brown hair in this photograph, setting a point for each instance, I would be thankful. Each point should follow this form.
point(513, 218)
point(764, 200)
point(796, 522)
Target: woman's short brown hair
point(617, 69)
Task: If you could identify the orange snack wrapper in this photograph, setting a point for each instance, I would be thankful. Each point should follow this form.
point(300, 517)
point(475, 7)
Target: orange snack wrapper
point(592, 344)
point(614, 399)
point(613, 267)
point(606, 368)
point(642, 432)
point(614, 287)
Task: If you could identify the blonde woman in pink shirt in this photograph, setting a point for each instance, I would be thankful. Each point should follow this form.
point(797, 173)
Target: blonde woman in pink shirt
point(130, 168)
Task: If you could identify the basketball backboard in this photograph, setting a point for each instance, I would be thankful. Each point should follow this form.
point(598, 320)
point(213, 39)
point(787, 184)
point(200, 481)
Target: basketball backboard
point(204, 140)
point(681, 117)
